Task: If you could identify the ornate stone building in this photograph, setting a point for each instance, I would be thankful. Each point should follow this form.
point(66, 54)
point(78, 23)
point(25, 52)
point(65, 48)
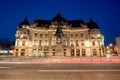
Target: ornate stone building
point(59, 37)
point(116, 46)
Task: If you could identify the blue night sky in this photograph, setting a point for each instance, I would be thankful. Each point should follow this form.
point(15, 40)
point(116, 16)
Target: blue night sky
point(106, 13)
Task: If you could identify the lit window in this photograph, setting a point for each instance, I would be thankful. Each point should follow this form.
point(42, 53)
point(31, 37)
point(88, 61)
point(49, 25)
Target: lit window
point(94, 52)
point(81, 35)
point(23, 43)
point(17, 43)
point(71, 35)
point(23, 26)
point(53, 42)
point(64, 43)
point(22, 52)
point(76, 35)
point(82, 44)
point(83, 51)
point(45, 50)
point(40, 52)
point(77, 44)
point(72, 43)
point(24, 32)
point(93, 43)
point(78, 52)
point(35, 42)
point(34, 52)
point(46, 42)
point(72, 52)
point(40, 43)
point(98, 42)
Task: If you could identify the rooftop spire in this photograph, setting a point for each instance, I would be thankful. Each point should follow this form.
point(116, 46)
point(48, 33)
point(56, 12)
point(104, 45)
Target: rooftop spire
point(92, 24)
point(58, 15)
point(24, 22)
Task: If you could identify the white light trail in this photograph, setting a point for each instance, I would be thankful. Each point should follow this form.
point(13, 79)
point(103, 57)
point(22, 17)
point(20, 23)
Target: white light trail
point(78, 70)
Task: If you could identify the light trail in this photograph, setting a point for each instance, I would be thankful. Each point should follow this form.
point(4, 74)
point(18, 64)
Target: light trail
point(78, 70)
point(64, 61)
point(5, 67)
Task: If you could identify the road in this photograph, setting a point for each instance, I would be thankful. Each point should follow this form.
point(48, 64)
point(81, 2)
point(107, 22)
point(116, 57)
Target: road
point(59, 71)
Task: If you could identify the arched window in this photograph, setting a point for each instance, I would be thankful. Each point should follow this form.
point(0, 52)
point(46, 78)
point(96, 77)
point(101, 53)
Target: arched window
point(35, 34)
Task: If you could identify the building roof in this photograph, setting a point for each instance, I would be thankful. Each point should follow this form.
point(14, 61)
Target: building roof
point(24, 22)
point(75, 23)
point(92, 24)
point(58, 18)
point(42, 23)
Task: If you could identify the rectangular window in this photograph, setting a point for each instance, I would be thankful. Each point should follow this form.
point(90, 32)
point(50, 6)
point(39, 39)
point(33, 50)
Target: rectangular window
point(40, 52)
point(41, 35)
point(17, 43)
point(40, 43)
point(83, 51)
point(46, 35)
point(35, 42)
point(22, 52)
point(76, 35)
point(77, 44)
point(81, 35)
point(94, 52)
point(23, 43)
point(93, 43)
point(46, 43)
point(34, 52)
point(71, 35)
point(82, 44)
point(72, 43)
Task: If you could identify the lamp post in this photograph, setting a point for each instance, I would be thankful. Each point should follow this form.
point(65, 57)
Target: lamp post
point(111, 48)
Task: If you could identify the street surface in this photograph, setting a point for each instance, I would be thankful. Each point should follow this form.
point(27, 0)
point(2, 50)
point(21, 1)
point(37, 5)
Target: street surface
point(23, 71)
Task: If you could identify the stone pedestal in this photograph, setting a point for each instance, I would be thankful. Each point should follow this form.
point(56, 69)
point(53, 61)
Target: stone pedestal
point(59, 49)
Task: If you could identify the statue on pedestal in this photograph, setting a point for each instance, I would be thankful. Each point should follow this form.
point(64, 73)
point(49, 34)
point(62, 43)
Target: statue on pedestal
point(59, 34)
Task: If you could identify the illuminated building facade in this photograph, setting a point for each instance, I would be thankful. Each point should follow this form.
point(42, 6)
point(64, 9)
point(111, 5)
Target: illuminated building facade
point(59, 37)
point(116, 45)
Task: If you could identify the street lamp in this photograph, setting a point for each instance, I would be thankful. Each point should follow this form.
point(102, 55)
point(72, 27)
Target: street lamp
point(110, 45)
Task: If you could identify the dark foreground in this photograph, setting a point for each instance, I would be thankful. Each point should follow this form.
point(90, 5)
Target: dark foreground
point(59, 71)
